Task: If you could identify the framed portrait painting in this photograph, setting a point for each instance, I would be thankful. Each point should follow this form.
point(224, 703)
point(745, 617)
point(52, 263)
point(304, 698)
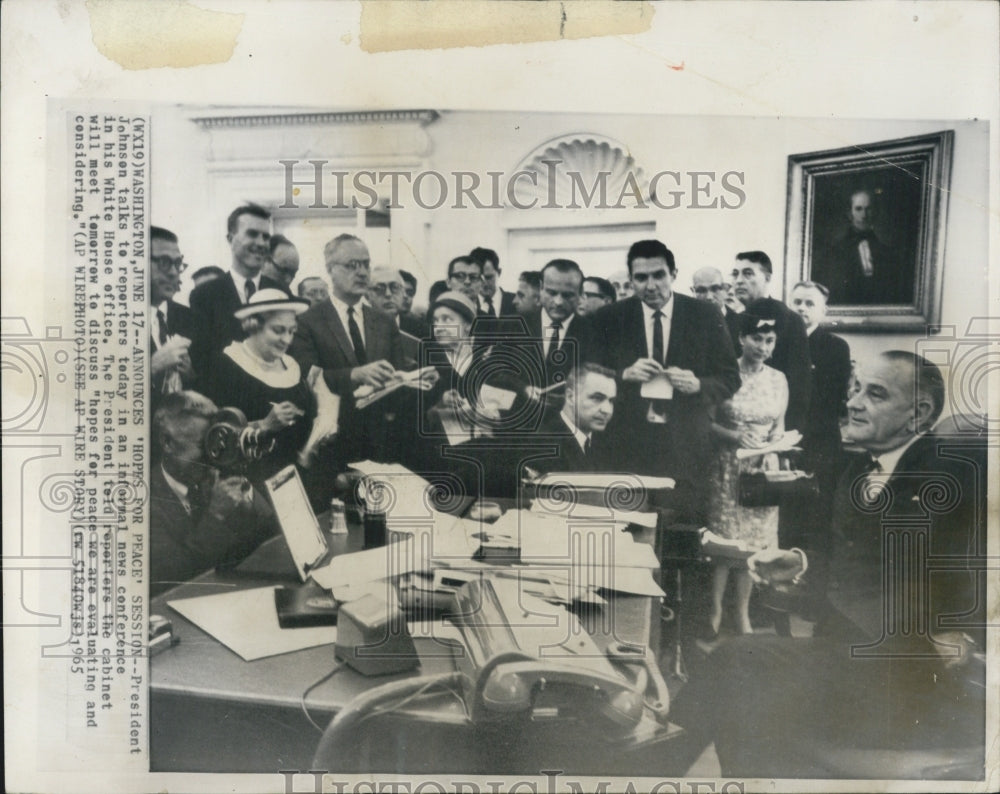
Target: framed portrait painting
point(868, 222)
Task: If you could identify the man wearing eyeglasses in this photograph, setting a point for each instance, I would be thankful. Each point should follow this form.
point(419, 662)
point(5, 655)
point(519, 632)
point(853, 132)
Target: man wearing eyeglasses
point(173, 326)
point(465, 276)
point(357, 346)
point(283, 263)
point(597, 293)
point(708, 285)
point(248, 231)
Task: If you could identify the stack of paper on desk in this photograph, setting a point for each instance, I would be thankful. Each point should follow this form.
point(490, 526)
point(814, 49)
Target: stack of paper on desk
point(586, 554)
point(585, 512)
point(246, 622)
point(582, 479)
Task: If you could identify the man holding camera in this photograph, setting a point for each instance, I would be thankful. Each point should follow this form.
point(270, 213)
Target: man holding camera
point(200, 518)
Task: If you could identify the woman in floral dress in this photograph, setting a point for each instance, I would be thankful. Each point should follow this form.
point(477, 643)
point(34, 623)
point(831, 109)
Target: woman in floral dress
point(753, 418)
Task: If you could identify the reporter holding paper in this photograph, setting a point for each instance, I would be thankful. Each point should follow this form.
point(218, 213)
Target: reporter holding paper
point(354, 345)
point(263, 381)
point(751, 419)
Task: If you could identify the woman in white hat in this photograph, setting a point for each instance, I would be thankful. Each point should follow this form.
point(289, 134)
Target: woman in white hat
point(262, 380)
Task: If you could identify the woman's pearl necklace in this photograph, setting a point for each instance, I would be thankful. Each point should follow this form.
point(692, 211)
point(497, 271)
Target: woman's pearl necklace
point(263, 363)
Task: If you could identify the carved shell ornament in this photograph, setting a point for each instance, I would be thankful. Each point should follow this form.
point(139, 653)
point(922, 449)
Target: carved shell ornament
point(580, 172)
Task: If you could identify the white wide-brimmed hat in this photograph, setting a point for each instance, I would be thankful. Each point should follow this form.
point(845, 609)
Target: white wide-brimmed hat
point(270, 300)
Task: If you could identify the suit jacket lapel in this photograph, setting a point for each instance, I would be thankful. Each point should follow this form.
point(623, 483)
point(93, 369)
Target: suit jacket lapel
point(233, 298)
point(637, 331)
point(339, 333)
point(675, 344)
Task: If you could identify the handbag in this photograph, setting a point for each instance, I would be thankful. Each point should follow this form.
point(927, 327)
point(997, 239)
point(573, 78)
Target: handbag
point(770, 488)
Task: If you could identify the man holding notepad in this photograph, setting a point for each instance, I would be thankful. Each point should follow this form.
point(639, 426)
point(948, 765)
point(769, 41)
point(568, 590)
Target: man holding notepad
point(674, 357)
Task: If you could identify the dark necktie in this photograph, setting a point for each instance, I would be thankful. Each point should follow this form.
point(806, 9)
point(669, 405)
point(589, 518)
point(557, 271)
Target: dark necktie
point(586, 448)
point(553, 342)
point(161, 320)
point(251, 288)
point(658, 337)
point(356, 340)
point(489, 308)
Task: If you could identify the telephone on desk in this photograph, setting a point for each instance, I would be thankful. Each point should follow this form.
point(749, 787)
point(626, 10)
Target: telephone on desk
point(548, 671)
point(507, 665)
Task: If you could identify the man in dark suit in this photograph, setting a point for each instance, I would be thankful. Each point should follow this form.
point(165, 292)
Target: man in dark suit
point(493, 301)
point(889, 665)
point(198, 518)
point(173, 326)
point(676, 344)
point(356, 346)
point(860, 267)
point(752, 281)
point(578, 428)
point(830, 357)
point(248, 230)
point(708, 285)
point(560, 335)
point(411, 323)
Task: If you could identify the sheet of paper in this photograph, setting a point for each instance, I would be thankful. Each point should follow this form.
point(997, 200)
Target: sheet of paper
point(326, 423)
point(246, 622)
point(582, 479)
point(371, 565)
point(492, 397)
point(585, 511)
point(658, 387)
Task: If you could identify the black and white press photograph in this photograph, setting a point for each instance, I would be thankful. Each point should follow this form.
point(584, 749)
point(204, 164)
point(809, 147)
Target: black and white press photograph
point(496, 397)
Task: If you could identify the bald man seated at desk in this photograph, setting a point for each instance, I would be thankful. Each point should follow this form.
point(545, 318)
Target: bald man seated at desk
point(199, 518)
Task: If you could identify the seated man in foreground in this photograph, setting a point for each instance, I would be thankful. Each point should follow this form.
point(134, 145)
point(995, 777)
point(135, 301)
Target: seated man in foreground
point(889, 666)
point(199, 518)
point(576, 429)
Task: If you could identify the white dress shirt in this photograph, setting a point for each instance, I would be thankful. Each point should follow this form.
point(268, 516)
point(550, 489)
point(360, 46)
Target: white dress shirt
point(581, 437)
point(241, 284)
point(547, 331)
point(359, 316)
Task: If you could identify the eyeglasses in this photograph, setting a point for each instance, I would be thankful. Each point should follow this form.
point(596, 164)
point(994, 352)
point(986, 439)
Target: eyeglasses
point(467, 277)
point(713, 288)
point(354, 264)
point(287, 271)
point(385, 289)
point(165, 262)
point(597, 295)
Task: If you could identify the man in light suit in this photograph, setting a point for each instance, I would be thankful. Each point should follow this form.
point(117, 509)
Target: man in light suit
point(890, 666)
point(356, 346)
point(681, 344)
point(248, 230)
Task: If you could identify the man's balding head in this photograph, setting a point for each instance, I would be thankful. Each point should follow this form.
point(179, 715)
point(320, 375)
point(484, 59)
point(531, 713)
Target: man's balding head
point(708, 284)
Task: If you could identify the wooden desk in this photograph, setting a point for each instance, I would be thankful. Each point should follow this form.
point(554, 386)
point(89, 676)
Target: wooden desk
point(212, 711)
